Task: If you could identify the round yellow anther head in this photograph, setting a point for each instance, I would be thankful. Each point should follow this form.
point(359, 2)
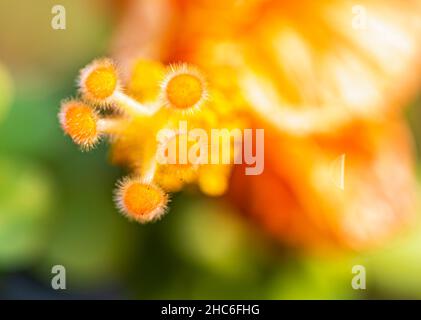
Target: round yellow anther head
point(99, 81)
point(184, 88)
point(141, 201)
point(184, 91)
point(79, 121)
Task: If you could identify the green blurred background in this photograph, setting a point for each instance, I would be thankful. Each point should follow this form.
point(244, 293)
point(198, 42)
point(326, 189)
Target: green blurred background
point(56, 204)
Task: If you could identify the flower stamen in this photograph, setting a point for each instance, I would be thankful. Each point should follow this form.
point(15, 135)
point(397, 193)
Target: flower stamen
point(99, 83)
point(79, 121)
point(140, 200)
point(184, 88)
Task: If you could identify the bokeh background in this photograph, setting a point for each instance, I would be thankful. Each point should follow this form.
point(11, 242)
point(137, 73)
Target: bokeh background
point(56, 204)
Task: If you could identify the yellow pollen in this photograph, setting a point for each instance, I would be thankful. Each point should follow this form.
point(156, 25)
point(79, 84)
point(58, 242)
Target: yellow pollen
point(101, 82)
point(143, 202)
point(79, 122)
point(184, 91)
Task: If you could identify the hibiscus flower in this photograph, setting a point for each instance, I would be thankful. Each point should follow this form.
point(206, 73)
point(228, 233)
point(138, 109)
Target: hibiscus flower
point(326, 79)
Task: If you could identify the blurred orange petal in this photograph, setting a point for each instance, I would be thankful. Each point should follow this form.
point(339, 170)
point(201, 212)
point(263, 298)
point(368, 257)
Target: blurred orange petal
point(299, 199)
